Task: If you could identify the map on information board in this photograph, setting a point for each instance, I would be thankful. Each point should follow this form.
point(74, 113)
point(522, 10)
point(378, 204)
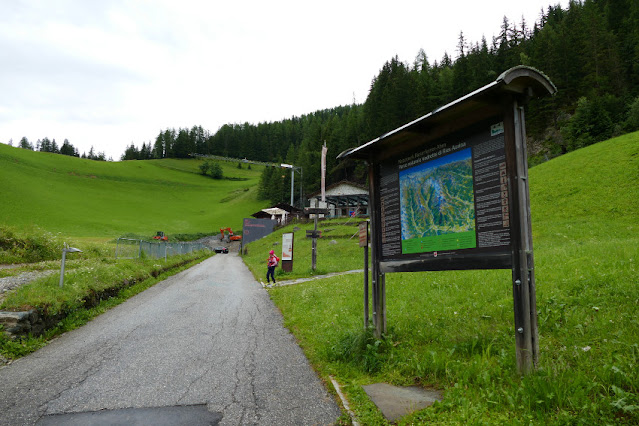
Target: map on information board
point(447, 199)
point(437, 204)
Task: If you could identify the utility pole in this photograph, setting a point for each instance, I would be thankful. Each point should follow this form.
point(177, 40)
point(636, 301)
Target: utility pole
point(293, 169)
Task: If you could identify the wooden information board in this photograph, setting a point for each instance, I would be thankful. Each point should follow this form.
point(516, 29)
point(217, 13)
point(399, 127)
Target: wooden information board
point(450, 191)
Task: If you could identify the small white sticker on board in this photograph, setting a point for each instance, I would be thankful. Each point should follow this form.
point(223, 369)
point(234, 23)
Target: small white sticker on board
point(497, 129)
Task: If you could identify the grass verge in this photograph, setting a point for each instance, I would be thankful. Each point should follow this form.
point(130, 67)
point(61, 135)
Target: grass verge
point(89, 290)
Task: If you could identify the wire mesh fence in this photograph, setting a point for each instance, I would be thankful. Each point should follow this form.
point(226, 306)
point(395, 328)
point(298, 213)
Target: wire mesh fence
point(128, 248)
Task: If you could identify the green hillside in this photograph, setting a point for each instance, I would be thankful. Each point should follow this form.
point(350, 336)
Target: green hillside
point(84, 198)
point(453, 330)
point(597, 186)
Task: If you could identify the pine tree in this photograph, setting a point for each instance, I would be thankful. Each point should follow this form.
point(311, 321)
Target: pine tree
point(145, 152)
point(263, 186)
point(45, 145)
point(168, 139)
point(67, 148)
point(461, 69)
point(25, 144)
point(159, 148)
point(131, 153)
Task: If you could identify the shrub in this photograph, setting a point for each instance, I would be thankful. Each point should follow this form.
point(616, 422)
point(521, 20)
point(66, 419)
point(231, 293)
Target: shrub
point(216, 171)
point(212, 169)
point(35, 246)
point(204, 167)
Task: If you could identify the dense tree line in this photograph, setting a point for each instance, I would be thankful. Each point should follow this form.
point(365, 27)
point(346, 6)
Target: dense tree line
point(590, 51)
point(133, 153)
point(49, 145)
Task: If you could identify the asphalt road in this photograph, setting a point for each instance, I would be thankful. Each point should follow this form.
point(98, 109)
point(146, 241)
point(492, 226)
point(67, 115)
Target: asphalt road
point(209, 337)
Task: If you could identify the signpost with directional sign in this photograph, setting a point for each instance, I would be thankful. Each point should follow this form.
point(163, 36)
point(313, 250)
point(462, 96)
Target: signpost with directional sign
point(314, 234)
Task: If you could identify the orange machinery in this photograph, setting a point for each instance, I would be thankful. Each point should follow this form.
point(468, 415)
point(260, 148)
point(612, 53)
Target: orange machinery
point(230, 236)
point(160, 236)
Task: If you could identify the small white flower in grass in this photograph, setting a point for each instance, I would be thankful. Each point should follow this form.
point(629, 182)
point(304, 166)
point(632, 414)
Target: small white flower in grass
point(586, 348)
point(596, 308)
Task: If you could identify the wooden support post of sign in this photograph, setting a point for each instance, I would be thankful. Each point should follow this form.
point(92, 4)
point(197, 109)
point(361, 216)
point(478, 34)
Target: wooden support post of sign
point(366, 290)
point(382, 303)
point(524, 295)
point(363, 242)
point(529, 245)
point(379, 310)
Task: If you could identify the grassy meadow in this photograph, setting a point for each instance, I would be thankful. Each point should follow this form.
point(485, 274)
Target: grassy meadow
point(84, 198)
point(454, 330)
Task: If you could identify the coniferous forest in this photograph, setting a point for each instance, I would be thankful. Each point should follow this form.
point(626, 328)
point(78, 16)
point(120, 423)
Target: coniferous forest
point(590, 51)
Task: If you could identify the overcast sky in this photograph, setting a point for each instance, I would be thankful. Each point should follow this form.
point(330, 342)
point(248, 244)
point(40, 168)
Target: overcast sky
point(110, 72)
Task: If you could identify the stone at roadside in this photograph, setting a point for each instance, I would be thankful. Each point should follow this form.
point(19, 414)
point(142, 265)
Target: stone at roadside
point(18, 323)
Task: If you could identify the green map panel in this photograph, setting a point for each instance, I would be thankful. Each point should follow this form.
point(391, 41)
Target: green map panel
point(437, 198)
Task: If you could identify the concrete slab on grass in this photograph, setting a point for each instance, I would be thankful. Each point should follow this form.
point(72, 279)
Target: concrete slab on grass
point(396, 402)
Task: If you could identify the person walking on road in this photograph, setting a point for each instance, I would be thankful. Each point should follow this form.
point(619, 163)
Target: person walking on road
point(272, 262)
